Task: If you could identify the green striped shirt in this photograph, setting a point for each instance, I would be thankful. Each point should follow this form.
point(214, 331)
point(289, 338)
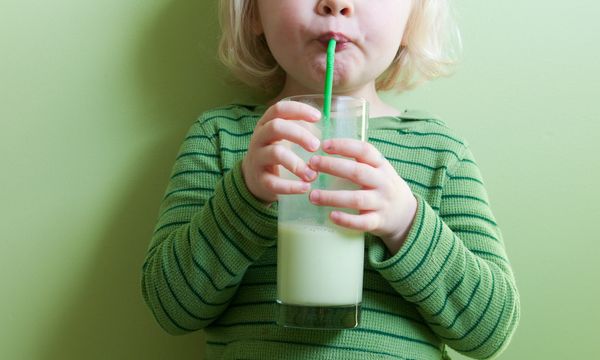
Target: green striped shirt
point(211, 263)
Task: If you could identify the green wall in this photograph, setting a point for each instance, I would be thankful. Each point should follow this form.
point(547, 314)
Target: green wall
point(95, 98)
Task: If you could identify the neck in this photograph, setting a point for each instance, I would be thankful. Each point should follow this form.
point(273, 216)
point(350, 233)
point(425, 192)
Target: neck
point(377, 107)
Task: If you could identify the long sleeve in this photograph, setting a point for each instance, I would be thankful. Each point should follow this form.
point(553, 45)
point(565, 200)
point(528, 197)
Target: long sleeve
point(454, 268)
point(210, 229)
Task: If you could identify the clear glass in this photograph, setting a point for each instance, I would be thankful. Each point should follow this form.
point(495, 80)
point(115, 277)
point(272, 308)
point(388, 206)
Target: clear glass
point(319, 264)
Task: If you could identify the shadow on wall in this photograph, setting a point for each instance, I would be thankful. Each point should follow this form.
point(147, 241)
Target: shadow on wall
point(107, 318)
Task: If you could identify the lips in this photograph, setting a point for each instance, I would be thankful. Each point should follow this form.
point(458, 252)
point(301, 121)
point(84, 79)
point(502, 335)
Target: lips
point(342, 41)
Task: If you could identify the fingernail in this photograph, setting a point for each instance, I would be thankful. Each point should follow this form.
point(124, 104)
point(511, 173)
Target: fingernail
point(305, 187)
point(314, 144)
point(316, 114)
point(314, 196)
point(310, 174)
point(314, 161)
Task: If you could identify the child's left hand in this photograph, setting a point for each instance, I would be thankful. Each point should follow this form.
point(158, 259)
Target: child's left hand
point(385, 202)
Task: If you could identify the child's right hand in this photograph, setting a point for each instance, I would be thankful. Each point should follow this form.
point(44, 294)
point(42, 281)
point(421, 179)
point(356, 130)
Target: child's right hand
point(260, 166)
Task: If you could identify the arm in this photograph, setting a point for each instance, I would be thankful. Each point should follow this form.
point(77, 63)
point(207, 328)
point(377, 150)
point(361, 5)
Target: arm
point(455, 269)
point(209, 231)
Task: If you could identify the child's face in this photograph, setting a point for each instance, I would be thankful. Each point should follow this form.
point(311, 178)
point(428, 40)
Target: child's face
point(369, 34)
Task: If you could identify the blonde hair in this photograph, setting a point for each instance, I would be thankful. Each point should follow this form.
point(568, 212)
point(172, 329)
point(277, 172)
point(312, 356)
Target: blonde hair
point(430, 48)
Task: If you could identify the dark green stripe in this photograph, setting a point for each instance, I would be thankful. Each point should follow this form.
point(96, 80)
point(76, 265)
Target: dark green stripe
point(425, 166)
point(438, 272)
point(461, 311)
point(465, 231)
point(413, 182)
point(378, 311)
point(491, 332)
point(486, 253)
point(188, 189)
point(211, 172)
point(164, 310)
point(206, 241)
point(170, 224)
point(182, 272)
point(201, 268)
point(396, 336)
point(467, 178)
point(234, 151)
point(446, 216)
point(478, 321)
point(196, 153)
point(235, 213)
point(168, 282)
point(435, 238)
point(454, 288)
point(465, 197)
point(381, 292)
point(412, 132)
point(415, 147)
point(218, 134)
point(345, 348)
point(261, 211)
point(179, 206)
point(421, 216)
point(223, 117)
point(230, 240)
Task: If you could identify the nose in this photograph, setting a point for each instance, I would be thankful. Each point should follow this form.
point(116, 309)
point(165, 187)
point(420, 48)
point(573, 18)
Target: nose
point(335, 7)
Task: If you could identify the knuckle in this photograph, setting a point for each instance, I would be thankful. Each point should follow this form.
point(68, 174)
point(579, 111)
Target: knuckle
point(356, 201)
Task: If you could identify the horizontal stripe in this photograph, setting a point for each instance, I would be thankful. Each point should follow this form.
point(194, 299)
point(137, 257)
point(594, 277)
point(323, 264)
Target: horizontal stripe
point(313, 345)
point(226, 237)
point(435, 238)
point(218, 134)
point(187, 172)
point(478, 321)
point(235, 212)
point(407, 251)
point(223, 117)
point(261, 211)
point(196, 153)
point(423, 186)
point(179, 207)
point(466, 178)
point(188, 189)
point(464, 197)
point(487, 253)
point(474, 232)
point(440, 270)
point(425, 166)
point(164, 310)
point(174, 223)
point(187, 282)
point(396, 336)
point(412, 132)
point(207, 242)
point(454, 288)
point(472, 216)
point(428, 148)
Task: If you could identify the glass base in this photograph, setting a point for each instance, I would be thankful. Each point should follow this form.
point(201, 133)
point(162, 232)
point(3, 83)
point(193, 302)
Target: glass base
point(319, 317)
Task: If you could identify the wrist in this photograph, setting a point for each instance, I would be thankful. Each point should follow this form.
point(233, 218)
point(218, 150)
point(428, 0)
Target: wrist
point(395, 242)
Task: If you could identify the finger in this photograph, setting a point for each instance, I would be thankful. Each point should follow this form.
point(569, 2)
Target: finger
point(290, 110)
point(364, 222)
point(277, 154)
point(359, 173)
point(279, 129)
point(348, 199)
point(277, 185)
point(360, 150)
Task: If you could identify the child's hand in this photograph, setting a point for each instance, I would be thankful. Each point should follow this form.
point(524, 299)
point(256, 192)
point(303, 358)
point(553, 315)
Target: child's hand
point(265, 152)
point(386, 204)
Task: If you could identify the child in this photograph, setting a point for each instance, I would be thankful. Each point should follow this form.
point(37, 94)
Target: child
point(436, 271)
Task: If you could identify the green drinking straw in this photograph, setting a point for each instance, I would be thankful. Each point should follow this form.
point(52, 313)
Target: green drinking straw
point(327, 108)
point(328, 87)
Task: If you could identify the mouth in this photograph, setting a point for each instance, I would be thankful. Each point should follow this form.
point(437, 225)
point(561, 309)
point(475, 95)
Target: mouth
point(342, 41)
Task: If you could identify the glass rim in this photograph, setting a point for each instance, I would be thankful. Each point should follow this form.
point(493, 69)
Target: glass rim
point(348, 98)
